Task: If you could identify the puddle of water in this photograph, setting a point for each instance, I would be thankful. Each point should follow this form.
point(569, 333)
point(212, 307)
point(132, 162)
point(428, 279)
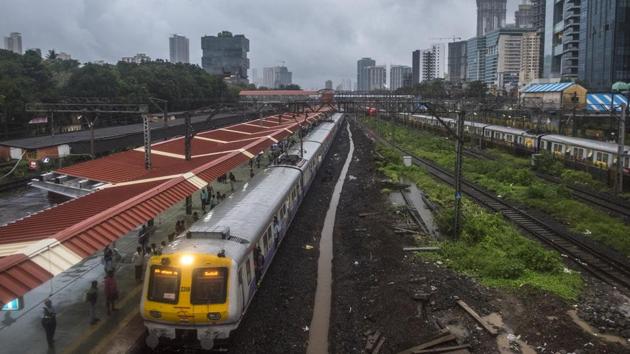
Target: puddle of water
point(587, 328)
point(414, 195)
point(507, 339)
point(318, 336)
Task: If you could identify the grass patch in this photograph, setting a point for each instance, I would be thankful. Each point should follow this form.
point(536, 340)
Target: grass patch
point(511, 178)
point(489, 248)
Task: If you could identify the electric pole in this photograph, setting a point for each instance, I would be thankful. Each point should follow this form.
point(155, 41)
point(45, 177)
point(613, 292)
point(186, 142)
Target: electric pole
point(458, 172)
point(620, 149)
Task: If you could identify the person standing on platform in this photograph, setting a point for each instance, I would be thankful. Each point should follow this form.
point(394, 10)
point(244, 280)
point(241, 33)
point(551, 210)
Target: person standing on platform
point(204, 198)
point(108, 259)
point(49, 322)
point(138, 262)
point(90, 297)
point(111, 292)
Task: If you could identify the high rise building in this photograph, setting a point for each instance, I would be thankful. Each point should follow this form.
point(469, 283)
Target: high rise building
point(363, 83)
point(397, 74)
point(490, 15)
point(476, 59)
point(328, 85)
point(503, 57)
point(525, 16)
point(277, 77)
point(606, 44)
point(562, 39)
point(530, 58)
point(63, 56)
point(457, 61)
point(428, 64)
point(13, 42)
point(539, 25)
point(226, 55)
point(377, 77)
point(179, 49)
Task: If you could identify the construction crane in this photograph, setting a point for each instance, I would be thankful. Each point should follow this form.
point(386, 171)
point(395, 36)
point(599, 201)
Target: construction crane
point(453, 38)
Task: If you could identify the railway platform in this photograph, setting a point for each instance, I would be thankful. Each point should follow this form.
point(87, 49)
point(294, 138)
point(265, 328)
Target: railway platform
point(118, 333)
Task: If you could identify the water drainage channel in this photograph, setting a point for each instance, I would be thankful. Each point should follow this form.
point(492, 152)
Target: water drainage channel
point(318, 336)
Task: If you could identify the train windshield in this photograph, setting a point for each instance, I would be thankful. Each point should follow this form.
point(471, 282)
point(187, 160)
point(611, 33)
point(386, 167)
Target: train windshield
point(209, 286)
point(164, 284)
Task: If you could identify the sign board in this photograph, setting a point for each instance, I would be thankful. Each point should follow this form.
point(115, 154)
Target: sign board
point(14, 305)
point(46, 160)
point(458, 195)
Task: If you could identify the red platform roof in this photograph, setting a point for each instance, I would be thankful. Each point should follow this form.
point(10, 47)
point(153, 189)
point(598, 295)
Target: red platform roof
point(277, 93)
point(73, 230)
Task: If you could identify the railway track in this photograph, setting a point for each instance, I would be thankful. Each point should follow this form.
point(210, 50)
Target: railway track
point(602, 201)
point(591, 258)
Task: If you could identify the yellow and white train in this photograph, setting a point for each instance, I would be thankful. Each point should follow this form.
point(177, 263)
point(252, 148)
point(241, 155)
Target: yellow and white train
point(202, 284)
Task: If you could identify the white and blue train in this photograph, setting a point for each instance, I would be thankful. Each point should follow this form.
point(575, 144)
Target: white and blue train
point(202, 284)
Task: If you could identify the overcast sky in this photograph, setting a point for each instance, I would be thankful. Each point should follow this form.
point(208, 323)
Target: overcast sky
point(317, 39)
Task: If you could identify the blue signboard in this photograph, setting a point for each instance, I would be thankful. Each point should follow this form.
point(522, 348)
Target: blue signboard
point(458, 195)
point(13, 305)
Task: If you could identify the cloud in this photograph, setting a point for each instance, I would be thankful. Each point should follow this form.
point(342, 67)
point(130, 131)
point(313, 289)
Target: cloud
point(317, 39)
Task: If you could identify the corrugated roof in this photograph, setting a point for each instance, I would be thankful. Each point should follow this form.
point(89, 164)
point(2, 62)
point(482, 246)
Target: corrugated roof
point(71, 231)
point(602, 102)
point(556, 87)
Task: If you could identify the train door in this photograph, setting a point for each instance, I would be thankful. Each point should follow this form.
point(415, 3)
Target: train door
point(242, 289)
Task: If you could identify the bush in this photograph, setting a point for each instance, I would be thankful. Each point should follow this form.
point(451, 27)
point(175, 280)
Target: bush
point(502, 268)
point(545, 162)
point(572, 177)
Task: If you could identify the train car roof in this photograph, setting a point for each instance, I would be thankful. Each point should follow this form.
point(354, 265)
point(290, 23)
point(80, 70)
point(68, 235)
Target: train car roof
point(263, 194)
point(500, 128)
point(476, 124)
point(585, 143)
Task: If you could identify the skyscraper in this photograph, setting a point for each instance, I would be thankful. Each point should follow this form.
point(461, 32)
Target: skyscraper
point(457, 61)
point(525, 16)
point(530, 58)
point(428, 64)
point(226, 55)
point(490, 15)
point(606, 46)
point(377, 77)
point(503, 57)
point(178, 47)
point(363, 83)
point(476, 58)
point(328, 85)
point(562, 39)
point(276, 77)
point(13, 42)
point(397, 74)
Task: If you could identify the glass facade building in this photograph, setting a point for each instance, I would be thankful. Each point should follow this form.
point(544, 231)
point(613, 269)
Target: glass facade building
point(476, 53)
point(607, 43)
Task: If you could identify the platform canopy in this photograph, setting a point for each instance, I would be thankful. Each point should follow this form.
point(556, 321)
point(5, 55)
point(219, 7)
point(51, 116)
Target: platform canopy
point(36, 248)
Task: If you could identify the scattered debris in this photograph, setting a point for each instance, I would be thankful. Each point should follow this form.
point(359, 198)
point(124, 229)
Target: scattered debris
point(442, 337)
point(372, 341)
point(369, 214)
point(308, 247)
point(474, 315)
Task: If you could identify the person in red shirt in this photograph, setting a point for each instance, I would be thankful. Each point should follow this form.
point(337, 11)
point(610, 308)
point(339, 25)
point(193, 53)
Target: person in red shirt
point(111, 292)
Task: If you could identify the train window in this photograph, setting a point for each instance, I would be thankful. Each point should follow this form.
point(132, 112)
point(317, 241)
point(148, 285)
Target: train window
point(164, 284)
point(264, 244)
point(209, 286)
point(578, 153)
point(601, 157)
point(557, 148)
point(248, 268)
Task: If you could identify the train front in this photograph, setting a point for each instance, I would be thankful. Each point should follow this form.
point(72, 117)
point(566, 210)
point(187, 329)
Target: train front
point(186, 297)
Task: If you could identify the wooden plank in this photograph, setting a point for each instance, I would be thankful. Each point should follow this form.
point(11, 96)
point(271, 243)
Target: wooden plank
point(444, 338)
point(379, 345)
point(420, 249)
point(474, 315)
point(442, 349)
point(371, 341)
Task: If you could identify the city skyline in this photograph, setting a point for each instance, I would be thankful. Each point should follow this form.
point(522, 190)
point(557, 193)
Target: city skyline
point(116, 30)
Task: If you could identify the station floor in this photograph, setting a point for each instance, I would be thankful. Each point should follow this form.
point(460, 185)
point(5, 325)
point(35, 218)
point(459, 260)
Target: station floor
point(22, 332)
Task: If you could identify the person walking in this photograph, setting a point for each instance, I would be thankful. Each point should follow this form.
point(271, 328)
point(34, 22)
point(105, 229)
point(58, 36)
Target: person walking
point(111, 292)
point(90, 297)
point(138, 262)
point(204, 198)
point(108, 259)
point(49, 322)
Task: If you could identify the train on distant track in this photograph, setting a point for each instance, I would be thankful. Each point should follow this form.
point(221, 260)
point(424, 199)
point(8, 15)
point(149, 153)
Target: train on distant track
point(599, 153)
point(202, 284)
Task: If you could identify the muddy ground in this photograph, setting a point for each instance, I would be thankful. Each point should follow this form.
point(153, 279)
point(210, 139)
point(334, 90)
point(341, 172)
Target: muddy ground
point(376, 286)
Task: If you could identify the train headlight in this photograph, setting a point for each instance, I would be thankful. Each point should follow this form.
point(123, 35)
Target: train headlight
point(155, 314)
point(214, 316)
point(186, 260)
